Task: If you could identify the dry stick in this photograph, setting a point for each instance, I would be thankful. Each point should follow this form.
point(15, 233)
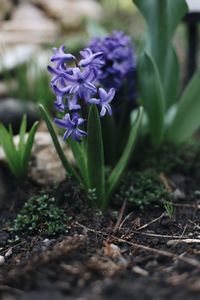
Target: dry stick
point(153, 221)
point(190, 261)
point(165, 181)
point(181, 235)
point(125, 219)
point(120, 216)
point(161, 235)
point(187, 241)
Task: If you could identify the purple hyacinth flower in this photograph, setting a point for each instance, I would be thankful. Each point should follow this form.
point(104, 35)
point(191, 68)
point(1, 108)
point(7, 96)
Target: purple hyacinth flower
point(119, 60)
point(60, 56)
point(59, 104)
point(59, 75)
point(104, 100)
point(72, 102)
point(91, 59)
point(71, 127)
point(80, 84)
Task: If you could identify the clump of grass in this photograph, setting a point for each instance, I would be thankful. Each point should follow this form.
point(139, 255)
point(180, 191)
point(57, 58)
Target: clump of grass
point(142, 189)
point(40, 215)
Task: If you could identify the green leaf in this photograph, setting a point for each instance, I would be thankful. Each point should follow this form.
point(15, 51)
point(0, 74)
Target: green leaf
point(162, 18)
point(121, 166)
point(95, 155)
point(172, 78)
point(79, 153)
point(22, 132)
point(152, 97)
point(10, 150)
point(187, 119)
point(108, 128)
point(28, 147)
point(69, 169)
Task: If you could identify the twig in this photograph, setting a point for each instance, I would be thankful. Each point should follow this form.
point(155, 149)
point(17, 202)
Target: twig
point(161, 235)
point(187, 241)
point(153, 221)
point(119, 220)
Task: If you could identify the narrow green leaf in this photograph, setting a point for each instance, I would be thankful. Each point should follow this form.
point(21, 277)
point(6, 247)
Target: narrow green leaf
point(152, 97)
point(22, 132)
point(28, 147)
point(79, 153)
point(121, 166)
point(95, 154)
point(187, 119)
point(9, 150)
point(69, 169)
point(162, 18)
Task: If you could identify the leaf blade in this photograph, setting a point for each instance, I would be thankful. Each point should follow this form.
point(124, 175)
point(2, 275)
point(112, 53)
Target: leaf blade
point(95, 154)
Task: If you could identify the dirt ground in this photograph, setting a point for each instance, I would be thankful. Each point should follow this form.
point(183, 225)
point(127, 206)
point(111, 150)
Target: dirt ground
point(125, 253)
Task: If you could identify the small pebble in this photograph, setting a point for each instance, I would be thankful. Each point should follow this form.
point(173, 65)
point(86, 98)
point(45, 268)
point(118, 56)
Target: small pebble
point(9, 253)
point(2, 260)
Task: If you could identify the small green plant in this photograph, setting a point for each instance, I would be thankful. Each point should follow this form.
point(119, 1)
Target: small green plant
point(40, 215)
point(142, 189)
point(170, 209)
point(18, 155)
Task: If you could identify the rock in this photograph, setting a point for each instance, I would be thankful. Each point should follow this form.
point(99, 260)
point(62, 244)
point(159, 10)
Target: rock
point(71, 12)
point(28, 25)
point(2, 260)
point(15, 109)
point(15, 56)
point(5, 8)
point(46, 166)
point(8, 253)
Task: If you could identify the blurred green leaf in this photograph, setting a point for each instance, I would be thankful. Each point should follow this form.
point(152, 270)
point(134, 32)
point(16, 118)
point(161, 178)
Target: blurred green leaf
point(187, 118)
point(152, 98)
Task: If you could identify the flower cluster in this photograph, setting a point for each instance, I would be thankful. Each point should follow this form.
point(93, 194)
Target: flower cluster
point(119, 60)
point(76, 85)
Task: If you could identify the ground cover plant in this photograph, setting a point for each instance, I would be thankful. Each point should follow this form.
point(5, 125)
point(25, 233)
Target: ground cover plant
point(123, 223)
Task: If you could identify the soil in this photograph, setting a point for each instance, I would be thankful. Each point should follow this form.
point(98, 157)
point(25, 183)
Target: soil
point(126, 253)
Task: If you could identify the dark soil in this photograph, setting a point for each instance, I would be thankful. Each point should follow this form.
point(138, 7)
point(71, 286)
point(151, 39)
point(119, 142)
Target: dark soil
point(126, 253)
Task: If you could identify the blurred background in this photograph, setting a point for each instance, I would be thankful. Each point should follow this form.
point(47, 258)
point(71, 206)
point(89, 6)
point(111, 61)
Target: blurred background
point(30, 28)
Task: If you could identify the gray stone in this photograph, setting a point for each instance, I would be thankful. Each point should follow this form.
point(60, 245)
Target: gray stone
point(28, 24)
point(71, 12)
point(46, 166)
point(5, 8)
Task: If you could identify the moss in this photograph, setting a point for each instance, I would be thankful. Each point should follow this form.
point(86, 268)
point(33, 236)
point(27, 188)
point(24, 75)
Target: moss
point(142, 188)
point(40, 215)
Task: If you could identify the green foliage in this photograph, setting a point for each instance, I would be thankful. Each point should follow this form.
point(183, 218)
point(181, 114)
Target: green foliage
point(162, 18)
point(151, 89)
point(170, 209)
point(187, 119)
point(95, 155)
point(40, 215)
point(142, 189)
point(32, 84)
point(90, 159)
point(18, 155)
